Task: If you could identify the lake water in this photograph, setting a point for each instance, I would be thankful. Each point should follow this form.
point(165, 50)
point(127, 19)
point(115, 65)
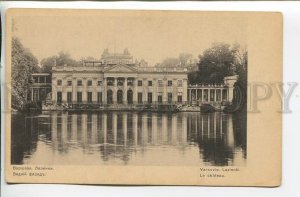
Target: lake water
point(129, 138)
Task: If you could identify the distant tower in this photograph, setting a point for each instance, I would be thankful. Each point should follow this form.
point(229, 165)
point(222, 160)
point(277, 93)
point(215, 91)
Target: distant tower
point(105, 53)
point(126, 52)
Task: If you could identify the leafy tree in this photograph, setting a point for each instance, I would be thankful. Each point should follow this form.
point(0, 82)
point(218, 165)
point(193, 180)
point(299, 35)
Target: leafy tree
point(216, 63)
point(241, 64)
point(219, 61)
point(64, 58)
point(241, 69)
point(47, 63)
point(194, 77)
point(24, 63)
point(61, 59)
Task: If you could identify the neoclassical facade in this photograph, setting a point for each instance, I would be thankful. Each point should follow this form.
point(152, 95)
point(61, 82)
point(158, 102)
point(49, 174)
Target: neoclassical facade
point(118, 84)
point(117, 81)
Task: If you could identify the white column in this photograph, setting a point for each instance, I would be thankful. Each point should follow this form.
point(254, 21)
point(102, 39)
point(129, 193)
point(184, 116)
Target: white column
point(94, 88)
point(135, 90)
point(184, 87)
point(125, 91)
point(74, 89)
point(221, 94)
point(154, 83)
point(63, 90)
point(175, 91)
point(230, 81)
point(165, 84)
point(145, 90)
point(208, 98)
point(104, 90)
point(84, 91)
point(115, 90)
point(215, 96)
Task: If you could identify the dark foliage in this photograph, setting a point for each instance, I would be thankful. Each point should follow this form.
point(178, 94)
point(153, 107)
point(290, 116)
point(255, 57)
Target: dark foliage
point(219, 61)
point(24, 63)
point(61, 59)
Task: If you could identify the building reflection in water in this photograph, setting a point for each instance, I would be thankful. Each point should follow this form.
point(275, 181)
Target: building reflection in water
point(126, 138)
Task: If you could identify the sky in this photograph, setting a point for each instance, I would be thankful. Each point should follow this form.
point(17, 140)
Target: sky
point(151, 35)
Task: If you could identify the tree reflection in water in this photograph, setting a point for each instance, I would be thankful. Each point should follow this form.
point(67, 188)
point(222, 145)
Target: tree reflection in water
point(129, 138)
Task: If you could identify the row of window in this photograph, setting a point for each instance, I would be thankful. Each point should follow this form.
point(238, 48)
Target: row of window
point(119, 97)
point(79, 83)
point(120, 83)
point(79, 97)
point(160, 83)
point(41, 79)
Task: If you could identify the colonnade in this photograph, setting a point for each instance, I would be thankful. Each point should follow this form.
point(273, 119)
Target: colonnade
point(207, 93)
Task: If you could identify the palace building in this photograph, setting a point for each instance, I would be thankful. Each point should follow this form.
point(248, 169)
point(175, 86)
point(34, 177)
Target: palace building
point(117, 82)
point(115, 79)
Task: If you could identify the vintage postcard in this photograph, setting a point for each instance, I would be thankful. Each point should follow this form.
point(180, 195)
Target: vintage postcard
point(141, 97)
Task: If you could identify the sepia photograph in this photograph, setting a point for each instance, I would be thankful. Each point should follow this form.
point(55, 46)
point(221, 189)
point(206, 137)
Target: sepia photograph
point(154, 95)
point(127, 90)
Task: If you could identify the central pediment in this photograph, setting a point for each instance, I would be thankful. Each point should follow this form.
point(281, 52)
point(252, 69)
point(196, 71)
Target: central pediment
point(120, 68)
